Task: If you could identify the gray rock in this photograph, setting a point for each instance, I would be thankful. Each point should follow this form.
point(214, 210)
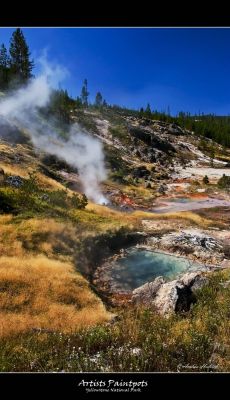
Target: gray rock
point(199, 283)
point(141, 172)
point(170, 297)
point(146, 293)
point(162, 189)
point(14, 181)
point(178, 295)
point(205, 242)
point(194, 280)
point(174, 129)
point(167, 297)
point(151, 138)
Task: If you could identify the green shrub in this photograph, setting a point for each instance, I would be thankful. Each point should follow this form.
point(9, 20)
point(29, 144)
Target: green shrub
point(224, 182)
point(8, 203)
point(118, 176)
point(205, 180)
point(29, 197)
point(79, 202)
point(30, 185)
point(58, 198)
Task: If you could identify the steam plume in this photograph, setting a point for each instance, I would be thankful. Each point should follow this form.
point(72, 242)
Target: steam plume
point(80, 149)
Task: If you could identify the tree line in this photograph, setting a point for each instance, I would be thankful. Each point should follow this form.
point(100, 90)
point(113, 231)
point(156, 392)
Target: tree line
point(16, 68)
point(62, 104)
point(15, 65)
point(208, 126)
point(83, 99)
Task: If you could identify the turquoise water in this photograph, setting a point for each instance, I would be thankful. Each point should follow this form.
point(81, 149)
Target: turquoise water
point(140, 266)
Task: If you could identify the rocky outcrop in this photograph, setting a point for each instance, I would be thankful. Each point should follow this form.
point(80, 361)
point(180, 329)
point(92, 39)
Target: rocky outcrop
point(174, 129)
point(162, 188)
point(141, 172)
point(14, 181)
point(169, 297)
point(146, 293)
point(198, 245)
point(151, 139)
point(194, 240)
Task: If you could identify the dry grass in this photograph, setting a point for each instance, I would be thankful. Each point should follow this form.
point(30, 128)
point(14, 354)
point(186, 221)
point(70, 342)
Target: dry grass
point(106, 211)
point(44, 181)
point(39, 287)
point(42, 293)
point(9, 243)
point(114, 218)
point(139, 191)
point(28, 164)
point(52, 238)
point(48, 183)
point(219, 215)
point(15, 169)
point(136, 216)
point(182, 215)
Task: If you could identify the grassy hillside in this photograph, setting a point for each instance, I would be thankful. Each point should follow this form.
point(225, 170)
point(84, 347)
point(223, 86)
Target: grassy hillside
point(141, 340)
point(52, 318)
point(42, 293)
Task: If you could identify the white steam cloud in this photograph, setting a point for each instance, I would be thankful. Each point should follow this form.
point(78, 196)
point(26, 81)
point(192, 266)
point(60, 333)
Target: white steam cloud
point(84, 152)
point(81, 150)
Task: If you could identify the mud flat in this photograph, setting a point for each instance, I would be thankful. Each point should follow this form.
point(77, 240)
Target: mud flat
point(193, 172)
point(188, 204)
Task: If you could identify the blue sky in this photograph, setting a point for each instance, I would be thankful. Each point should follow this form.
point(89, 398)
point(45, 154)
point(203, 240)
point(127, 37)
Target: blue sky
point(184, 69)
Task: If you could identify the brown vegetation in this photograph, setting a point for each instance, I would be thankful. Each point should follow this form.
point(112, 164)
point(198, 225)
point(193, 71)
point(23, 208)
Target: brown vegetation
point(40, 293)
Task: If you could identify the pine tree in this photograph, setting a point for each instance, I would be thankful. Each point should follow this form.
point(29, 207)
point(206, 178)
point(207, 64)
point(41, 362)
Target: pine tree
point(20, 64)
point(148, 112)
point(4, 67)
point(205, 180)
point(4, 59)
point(141, 112)
point(60, 106)
point(78, 102)
point(84, 93)
point(224, 182)
point(98, 100)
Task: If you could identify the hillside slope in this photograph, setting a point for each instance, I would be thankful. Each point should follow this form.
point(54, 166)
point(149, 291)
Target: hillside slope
point(49, 237)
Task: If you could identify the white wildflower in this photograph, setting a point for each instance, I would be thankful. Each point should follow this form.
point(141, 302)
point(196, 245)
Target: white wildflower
point(136, 351)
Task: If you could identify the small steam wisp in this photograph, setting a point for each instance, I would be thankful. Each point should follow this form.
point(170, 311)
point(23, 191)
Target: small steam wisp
point(81, 150)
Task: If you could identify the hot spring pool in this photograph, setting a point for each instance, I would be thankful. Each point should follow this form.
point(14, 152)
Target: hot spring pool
point(139, 266)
